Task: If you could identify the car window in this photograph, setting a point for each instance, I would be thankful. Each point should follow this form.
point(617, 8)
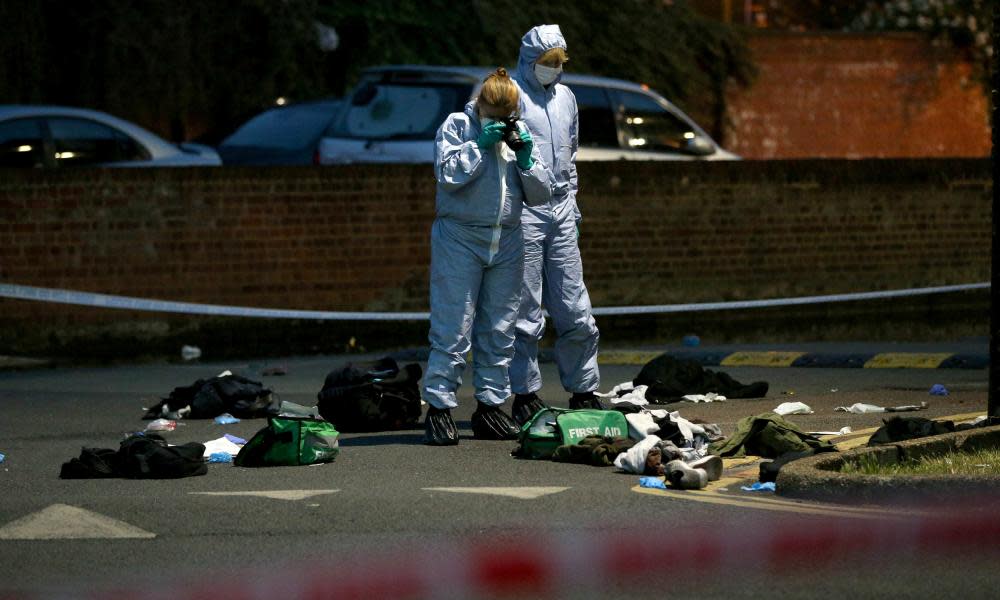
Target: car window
point(21, 143)
point(647, 125)
point(289, 127)
point(597, 121)
point(80, 142)
point(399, 110)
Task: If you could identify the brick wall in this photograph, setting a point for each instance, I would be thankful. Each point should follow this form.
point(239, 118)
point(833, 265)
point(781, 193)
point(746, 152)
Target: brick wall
point(842, 95)
point(356, 238)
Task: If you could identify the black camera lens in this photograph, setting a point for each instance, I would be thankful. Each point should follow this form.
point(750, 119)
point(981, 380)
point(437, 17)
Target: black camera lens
point(512, 135)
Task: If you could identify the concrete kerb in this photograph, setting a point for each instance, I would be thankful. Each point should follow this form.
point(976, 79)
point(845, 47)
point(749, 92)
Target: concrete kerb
point(819, 477)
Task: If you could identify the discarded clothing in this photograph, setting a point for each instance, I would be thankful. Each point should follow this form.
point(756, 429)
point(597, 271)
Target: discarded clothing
point(709, 397)
point(769, 470)
point(898, 429)
point(373, 395)
point(634, 459)
point(626, 393)
point(759, 487)
point(859, 408)
point(140, 456)
point(669, 380)
point(767, 435)
point(593, 450)
point(793, 408)
point(222, 444)
point(209, 398)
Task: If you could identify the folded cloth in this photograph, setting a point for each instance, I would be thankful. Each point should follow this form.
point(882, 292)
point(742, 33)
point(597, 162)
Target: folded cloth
point(592, 450)
point(634, 459)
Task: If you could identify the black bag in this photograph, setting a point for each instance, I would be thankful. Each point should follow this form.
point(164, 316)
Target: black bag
point(140, 456)
point(371, 396)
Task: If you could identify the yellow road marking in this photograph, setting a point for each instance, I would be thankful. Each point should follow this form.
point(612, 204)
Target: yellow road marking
point(626, 357)
point(907, 360)
point(761, 359)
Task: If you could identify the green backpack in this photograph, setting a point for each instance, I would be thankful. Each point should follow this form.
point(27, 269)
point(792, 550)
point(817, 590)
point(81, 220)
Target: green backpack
point(290, 441)
point(554, 427)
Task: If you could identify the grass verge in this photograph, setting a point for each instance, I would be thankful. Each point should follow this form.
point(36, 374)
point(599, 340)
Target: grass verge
point(982, 462)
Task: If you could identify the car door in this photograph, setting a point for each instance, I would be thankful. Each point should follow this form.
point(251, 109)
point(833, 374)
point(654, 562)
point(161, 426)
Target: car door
point(81, 142)
point(649, 130)
point(22, 144)
point(599, 138)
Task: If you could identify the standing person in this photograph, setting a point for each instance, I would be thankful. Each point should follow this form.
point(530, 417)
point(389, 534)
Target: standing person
point(553, 271)
point(477, 258)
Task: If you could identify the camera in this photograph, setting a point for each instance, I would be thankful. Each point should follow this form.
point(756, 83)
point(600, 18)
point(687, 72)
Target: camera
point(511, 134)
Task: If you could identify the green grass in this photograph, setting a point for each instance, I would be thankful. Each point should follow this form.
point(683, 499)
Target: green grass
point(982, 462)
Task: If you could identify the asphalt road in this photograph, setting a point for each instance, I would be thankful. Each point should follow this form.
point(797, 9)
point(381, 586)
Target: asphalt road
point(372, 513)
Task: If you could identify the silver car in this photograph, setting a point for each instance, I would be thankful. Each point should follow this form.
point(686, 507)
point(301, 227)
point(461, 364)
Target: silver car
point(59, 136)
point(394, 112)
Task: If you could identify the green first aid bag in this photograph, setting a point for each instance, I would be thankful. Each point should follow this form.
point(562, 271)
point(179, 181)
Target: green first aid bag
point(290, 441)
point(554, 427)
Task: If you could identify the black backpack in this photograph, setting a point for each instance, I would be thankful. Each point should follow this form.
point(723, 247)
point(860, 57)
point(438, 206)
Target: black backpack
point(209, 398)
point(371, 396)
point(140, 456)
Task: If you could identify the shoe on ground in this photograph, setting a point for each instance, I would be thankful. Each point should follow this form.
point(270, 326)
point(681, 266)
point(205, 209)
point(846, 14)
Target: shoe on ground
point(492, 423)
point(684, 477)
point(581, 400)
point(525, 406)
point(440, 428)
point(711, 464)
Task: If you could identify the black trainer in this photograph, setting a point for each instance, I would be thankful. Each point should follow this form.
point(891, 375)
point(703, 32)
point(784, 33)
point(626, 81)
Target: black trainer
point(585, 400)
point(525, 406)
point(439, 427)
point(492, 423)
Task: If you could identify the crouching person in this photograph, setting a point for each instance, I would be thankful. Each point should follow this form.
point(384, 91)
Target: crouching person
point(477, 257)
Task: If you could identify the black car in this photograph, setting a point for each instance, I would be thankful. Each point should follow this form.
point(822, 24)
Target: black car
point(284, 135)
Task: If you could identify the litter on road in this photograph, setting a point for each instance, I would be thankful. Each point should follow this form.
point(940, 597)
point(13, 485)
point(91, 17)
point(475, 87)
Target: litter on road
point(793, 408)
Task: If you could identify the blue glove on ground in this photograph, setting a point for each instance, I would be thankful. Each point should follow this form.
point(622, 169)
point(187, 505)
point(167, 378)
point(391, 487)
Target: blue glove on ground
point(490, 135)
point(523, 155)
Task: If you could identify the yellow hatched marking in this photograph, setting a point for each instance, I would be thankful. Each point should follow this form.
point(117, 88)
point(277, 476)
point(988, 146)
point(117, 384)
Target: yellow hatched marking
point(907, 360)
point(761, 359)
point(625, 357)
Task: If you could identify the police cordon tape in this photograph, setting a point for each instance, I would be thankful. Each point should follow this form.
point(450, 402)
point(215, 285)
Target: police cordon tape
point(564, 563)
point(63, 296)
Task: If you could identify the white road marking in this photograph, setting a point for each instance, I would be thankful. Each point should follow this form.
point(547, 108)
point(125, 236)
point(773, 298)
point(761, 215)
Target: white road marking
point(64, 522)
point(523, 493)
point(275, 494)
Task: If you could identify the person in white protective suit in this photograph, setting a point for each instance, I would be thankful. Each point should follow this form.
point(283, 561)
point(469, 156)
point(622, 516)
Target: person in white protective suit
point(553, 270)
point(477, 257)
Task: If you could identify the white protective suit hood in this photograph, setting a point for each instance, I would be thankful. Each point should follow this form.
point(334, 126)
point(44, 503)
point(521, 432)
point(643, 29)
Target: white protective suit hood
point(536, 42)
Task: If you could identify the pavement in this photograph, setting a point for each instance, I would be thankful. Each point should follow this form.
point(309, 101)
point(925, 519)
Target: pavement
point(390, 506)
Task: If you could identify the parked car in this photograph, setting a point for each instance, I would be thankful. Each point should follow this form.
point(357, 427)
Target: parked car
point(284, 135)
point(394, 112)
point(59, 136)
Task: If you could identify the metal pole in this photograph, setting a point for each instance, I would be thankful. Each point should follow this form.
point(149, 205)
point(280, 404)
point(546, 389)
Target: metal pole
point(993, 398)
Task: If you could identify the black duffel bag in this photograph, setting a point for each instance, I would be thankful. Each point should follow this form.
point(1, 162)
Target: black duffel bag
point(371, 396)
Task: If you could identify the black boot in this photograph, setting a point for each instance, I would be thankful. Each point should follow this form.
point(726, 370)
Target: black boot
point(492, 423)
point(585, 400)
point(525, 406)
point(439, 427)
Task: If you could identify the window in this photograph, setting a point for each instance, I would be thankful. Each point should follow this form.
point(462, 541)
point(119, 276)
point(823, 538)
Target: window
point(79, 142)
point(399, 110)
point(647, 125)
point(21, 143)
point(289, 128)
point(597, 122)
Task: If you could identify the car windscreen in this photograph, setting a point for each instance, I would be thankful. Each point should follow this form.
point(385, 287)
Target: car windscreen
point(399, 110)
point(290, 127)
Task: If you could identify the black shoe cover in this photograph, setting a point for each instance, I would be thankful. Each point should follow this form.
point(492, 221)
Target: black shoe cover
point(439, 427)
point(585, 400)
point(492, 423)
point(525, 406)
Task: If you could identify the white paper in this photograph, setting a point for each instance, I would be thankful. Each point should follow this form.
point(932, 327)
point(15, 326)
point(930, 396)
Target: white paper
point(793, 408)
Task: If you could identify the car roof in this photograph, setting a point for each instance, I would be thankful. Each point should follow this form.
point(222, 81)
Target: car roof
point(154, 143)
point(477, 74)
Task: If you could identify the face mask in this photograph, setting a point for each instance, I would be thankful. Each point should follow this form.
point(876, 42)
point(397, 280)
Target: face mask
point(546, 75)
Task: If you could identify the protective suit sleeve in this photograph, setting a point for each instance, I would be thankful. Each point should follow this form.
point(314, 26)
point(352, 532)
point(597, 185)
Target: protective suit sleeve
point(574, 136)
point(537, 181)
point(457, 161)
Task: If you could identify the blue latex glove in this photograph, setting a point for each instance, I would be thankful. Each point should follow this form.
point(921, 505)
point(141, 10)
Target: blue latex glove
point(523, 155)
point(490, 135)
point(652, 482)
